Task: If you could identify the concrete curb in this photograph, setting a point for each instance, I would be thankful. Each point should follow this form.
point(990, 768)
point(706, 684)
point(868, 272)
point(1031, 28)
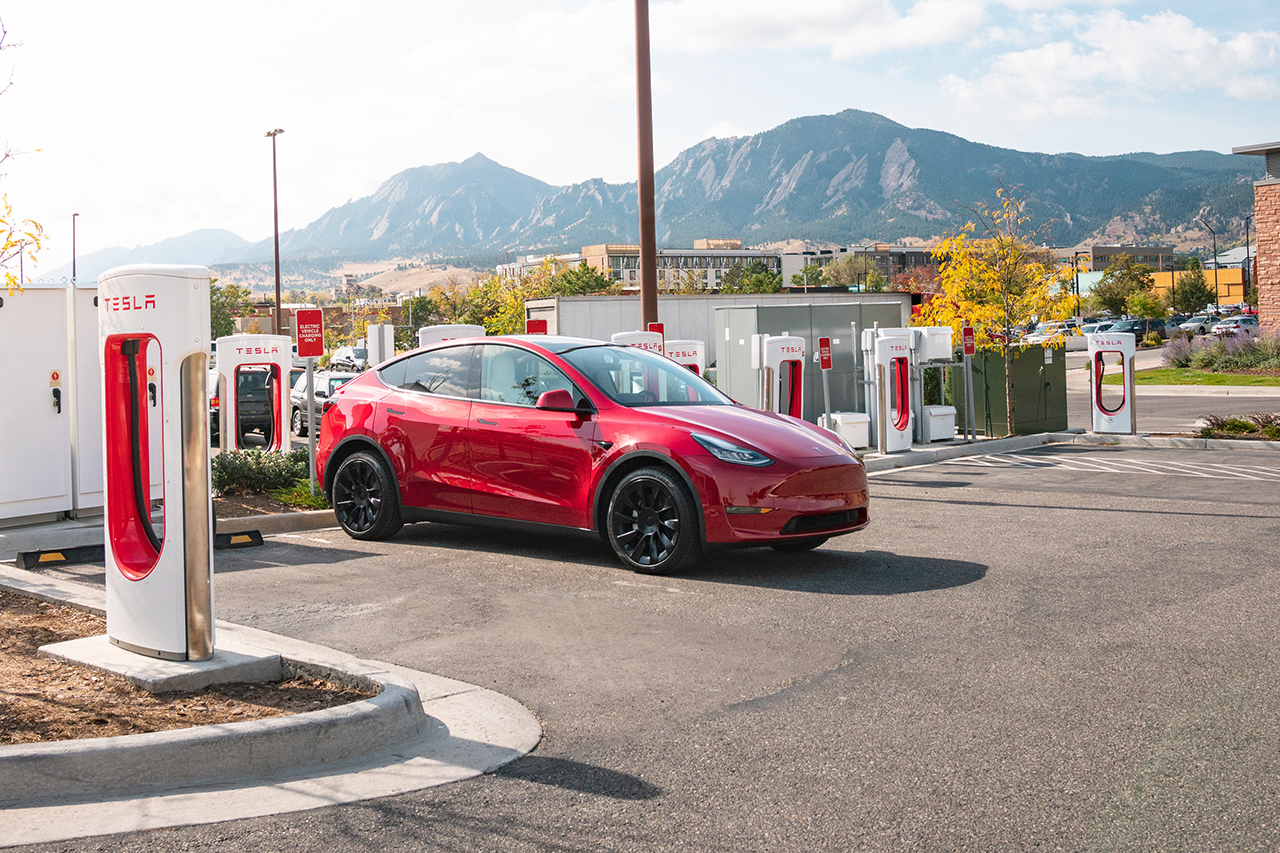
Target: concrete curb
point(1022, 442)
point(214, 755)
point(422, 730)
point(281, 522)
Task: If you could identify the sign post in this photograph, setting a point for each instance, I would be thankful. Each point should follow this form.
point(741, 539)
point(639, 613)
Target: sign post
point(824, 361)
point(968, 341)
point(310, 325)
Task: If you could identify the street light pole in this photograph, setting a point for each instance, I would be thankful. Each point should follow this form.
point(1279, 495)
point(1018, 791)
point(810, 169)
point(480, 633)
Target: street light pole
point(73, 247)
point(1075, 263)
point(1248, 268)
point(275, 202)
point(1217, 298)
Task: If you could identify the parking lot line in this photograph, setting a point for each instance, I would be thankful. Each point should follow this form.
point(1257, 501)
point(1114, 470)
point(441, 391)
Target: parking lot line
point(1112, 465)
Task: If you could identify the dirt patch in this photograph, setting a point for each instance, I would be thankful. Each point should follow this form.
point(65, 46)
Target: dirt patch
point(46, 700)
point(240, 506)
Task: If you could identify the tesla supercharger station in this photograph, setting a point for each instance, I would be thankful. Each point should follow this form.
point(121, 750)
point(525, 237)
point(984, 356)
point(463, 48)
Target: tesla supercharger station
point(782, 365)
point(651, 341)
point(1110, 416)
point(691, 354)
point(153, 328)
point(238, 355)
point(448, 332)
point(381, 343)
point(892, 410)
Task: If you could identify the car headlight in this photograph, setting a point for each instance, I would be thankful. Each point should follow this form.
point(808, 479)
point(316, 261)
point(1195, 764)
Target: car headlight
point(727, 451)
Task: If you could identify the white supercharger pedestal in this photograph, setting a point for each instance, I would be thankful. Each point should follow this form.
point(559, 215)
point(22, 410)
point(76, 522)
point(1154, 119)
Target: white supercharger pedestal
point(448, 332)
point(1115, 419)
point(380, 342)
point(891, 409)
point(153, 328)
point(691, 354)
point(237, 353)
point(781, 362)
point(651, 341)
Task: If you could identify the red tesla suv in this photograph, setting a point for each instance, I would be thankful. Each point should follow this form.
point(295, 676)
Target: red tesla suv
point(567, 432)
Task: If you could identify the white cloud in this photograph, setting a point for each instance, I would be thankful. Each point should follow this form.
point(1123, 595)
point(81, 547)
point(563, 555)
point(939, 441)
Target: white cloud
point(842, 29)
point(1111, 58)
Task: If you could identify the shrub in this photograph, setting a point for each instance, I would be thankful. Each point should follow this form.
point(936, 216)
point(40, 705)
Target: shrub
point(1259, 425)
point(1152, 339)
point(253, 471)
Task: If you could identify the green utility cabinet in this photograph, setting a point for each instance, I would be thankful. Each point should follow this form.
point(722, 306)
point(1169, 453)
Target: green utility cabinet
point(1039, 391)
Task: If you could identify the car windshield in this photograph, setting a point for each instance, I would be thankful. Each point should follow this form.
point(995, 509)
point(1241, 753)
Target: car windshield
point(360, 352)
point(631, 377)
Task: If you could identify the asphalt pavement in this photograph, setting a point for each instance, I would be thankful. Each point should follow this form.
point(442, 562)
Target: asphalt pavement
point(1065, 647)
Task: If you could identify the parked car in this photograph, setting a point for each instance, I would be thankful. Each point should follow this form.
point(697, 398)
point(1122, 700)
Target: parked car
point(353, 359)
point(568, 433)
point(1052, 331)
point(1140, 328)
point(326, 382)
point(1200, 324)
point(1244, 325)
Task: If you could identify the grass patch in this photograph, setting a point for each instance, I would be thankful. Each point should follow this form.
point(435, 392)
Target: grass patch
point(299, 494)
point(1190, 376)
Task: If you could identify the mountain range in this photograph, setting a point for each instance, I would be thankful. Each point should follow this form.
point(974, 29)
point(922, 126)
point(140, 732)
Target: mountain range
point(846, 178)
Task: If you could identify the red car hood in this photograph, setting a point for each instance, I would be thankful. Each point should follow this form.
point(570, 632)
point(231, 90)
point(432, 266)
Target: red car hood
point(772, 434)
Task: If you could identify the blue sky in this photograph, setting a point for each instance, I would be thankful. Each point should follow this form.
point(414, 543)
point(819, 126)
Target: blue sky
point(149, 117)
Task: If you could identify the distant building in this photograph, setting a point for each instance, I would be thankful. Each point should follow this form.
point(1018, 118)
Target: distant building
point(522, 266)
point(889, 259)
point(1159, 257)
point(711, 258)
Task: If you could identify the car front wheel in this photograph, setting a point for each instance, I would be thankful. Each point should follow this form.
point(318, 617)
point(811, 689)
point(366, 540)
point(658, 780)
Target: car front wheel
point(652, 524)
point(366, 499)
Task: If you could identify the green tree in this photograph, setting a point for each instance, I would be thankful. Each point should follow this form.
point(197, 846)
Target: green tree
point(854, 271)
point(810, 275)
point(580, 280)
point(1144, 305)
point(225, 304)
point(1190, 293)
point(419, 311)
point(995, 279)
point(1121, 280)
point(731, 282)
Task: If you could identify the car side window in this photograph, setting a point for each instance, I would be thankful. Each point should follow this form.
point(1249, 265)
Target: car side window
point(516, 376)
point(446, 372)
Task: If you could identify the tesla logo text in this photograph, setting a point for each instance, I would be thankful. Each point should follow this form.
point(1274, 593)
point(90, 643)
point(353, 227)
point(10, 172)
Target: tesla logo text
point(683, 354)
point(274, 350)
point(793, 350)
point(129, 303)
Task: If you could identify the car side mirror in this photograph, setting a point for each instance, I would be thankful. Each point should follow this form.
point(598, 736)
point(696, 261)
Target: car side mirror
point(559, 400)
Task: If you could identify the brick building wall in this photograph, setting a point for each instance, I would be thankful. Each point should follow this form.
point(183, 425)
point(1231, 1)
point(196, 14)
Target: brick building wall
point(1266, 217)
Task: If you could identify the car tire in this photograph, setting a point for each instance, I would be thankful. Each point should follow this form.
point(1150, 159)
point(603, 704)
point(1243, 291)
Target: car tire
point(366, 497)
point(796, 546)
point(295, 423)
point(651, 523)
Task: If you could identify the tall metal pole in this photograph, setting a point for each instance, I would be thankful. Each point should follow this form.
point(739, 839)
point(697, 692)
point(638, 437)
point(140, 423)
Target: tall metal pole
point(1247, 276)
point(73, 247)
point(1217, 298)
point(644, 140)
point(275, 203)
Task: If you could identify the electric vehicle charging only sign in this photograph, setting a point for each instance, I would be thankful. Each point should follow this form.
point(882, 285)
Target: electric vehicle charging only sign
point(824, 352)
point(310, 332)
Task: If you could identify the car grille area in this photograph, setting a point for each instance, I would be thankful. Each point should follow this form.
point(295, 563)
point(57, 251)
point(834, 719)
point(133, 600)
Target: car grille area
point(826, 521)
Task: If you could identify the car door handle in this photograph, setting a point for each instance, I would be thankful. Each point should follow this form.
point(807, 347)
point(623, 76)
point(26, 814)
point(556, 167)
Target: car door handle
point(487, 423)
point(391, 411)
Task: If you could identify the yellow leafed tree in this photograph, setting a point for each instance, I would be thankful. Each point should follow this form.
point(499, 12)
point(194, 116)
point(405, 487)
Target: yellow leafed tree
point(19, 238)
point(996, 279)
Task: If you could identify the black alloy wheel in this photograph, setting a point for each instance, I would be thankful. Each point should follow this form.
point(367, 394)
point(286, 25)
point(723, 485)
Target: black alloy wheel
point(652, 525)
point(795, 546)
point(366, 498)
point(296, 424)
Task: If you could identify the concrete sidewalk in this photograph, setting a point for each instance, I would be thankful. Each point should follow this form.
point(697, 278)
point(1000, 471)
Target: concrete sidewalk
point(422, 730)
